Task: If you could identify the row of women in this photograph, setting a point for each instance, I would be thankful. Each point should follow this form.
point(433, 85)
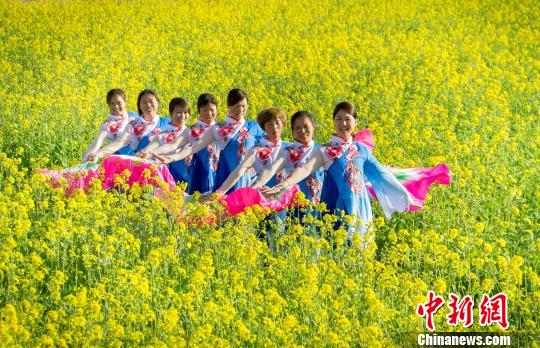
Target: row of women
point(225, 156)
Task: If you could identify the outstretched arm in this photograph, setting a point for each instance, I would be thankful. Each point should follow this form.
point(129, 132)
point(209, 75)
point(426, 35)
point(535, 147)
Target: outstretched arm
point(95, 145)
point(165, 149)
point(206, 140)
point(188, 149)
point(269, 172)
point(391, 194)
point(299, 174)
point(239, 171)
point(114, 146)
point(152, 147)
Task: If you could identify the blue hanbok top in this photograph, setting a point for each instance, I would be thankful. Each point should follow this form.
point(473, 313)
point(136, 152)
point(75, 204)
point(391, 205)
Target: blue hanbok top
point(347, 164)
point(179, 169)
point(296, 155)
point(235, 138)
point(203, 164)
point(140, 133)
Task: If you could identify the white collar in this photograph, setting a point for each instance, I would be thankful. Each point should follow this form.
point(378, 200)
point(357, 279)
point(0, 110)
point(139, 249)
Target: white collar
point(267, 143)
point(112, 117)
point(204, 124)
point(146, 123)
point(229, 121)
point(340, 141)
point(304, 146)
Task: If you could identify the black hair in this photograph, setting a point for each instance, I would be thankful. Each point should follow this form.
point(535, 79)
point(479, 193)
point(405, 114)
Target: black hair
point(113, 92)
point(299, 114)
point(236, 95)
point(346, 106)
point(176, 101)
point(205, 99)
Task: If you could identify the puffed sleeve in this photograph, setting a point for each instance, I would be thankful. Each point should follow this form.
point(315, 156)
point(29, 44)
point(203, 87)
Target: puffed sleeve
point(392, 195)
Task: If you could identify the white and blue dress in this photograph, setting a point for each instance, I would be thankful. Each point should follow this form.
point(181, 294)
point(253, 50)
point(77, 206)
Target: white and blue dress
point(204, 163)
point(235, 138)
point(347, 166)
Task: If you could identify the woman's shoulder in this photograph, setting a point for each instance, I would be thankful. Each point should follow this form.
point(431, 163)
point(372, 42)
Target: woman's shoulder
point(252, 125)
point(361, 147)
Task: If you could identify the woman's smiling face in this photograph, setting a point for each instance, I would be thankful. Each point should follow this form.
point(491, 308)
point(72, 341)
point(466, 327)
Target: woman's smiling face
point(180, 115)
point(344, 124)
point(117, 105)
point(208, 112)
point(238, 110)
point(303, 129)
point(149, 105)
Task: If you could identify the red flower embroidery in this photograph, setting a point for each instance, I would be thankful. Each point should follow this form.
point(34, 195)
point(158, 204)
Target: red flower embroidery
point(314, 189)
point(334, 151)
point(352, 174)
point(138, 130)
point(242, 137)
point(196, 132)
point(353, 153)
point(244, 134)
point(264, 153)
point(113, 127)
point(213, 155)
point(170, 137)
point(295, 155)
point(225, 130)
point(280, 176)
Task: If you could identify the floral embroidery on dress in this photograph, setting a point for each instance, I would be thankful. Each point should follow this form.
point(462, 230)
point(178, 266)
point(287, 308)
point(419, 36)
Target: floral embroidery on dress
point(224, 130)
point(242, 137)
point(138, 130)
point(169, 134)
point(353, 176)
point(314, 188)
point(113, 127)
point(168, 137)
point(213, 155)
point(188, 159)
point(196, 132)
point(353, 153)
point(334, 151)
point(295, 154)
point(264, 154)
point(280, 176)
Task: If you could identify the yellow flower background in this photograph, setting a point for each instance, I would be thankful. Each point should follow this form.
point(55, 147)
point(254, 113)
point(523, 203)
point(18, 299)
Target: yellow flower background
point(436, 81)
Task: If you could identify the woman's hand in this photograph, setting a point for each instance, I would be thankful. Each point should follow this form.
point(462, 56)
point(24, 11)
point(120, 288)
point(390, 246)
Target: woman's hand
point(160, 158)
point(276, 189)
point(91, 158)
point(143, 155)
point(416, 204)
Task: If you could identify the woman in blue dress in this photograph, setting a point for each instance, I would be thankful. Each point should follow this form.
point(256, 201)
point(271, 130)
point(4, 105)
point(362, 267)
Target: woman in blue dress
point(204, 161)
point(139, 131)
point(346, 162)
point(296, 155)
point(290, 157)
point(166, 141)
point(263, 154)
point(235, 137)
